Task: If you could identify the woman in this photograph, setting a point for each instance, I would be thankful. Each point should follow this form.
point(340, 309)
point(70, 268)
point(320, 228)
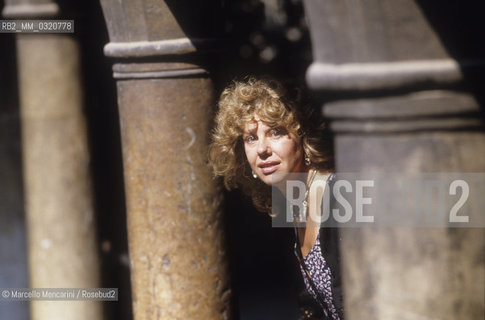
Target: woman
point(263, 134)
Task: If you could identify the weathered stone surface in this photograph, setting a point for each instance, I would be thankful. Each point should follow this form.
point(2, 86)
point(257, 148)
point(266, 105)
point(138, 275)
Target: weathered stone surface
point(174, 214)
point(402, 108)
point(403, 273)
point(61, 234)
point(165, 98)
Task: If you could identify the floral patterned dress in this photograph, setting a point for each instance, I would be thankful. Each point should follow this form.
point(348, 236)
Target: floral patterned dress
point(322, 278)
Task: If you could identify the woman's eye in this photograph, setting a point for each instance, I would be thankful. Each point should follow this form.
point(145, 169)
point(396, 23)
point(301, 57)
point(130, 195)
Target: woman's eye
point(249, 139)
point(276, 132)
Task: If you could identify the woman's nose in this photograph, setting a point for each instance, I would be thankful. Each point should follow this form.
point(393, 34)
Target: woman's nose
point(264, 148)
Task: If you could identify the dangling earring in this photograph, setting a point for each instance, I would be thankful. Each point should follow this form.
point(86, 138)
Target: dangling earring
point(255, 176)
point(307, 160)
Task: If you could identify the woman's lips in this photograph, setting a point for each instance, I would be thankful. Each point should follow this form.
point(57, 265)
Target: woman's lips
point(269, 168)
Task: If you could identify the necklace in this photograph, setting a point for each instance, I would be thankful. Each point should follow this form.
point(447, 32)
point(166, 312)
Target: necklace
point(305, 201)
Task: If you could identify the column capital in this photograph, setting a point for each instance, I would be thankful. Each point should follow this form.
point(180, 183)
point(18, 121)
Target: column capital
point(31, 10)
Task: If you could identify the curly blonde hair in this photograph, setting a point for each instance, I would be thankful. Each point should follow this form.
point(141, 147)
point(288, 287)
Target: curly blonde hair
point(278, 106)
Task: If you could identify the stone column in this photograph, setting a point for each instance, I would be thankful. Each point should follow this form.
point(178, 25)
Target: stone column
point(166, 101)
point(399, 105)
point(62, 249)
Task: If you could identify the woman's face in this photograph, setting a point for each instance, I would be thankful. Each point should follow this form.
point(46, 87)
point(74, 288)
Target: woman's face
point(271, 151)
